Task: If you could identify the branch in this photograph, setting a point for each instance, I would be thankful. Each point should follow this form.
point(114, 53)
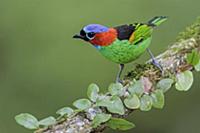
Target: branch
point(95, 115)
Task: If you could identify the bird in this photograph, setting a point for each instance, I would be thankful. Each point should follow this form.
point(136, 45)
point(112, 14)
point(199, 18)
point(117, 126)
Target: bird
point(124, 43)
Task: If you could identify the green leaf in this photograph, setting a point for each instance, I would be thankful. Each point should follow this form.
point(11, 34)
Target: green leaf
point(104, 101)
point(116, 89)
point(193, 58)
point(165, 84)
point(137, 88)
point(82, 104)
point(158, 99)
point(116, 106)
point(145, 103)
point(197, 66)
point(120, 124)
point(100, 118)
point(184, 81)
point(92, 92)
point(27, 120)
point(132, 102)
point(47, 121)
point(113, 104)
point(65, 111)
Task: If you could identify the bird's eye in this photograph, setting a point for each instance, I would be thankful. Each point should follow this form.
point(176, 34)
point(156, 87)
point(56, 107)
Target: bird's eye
point(90, 35)
point(82, 33)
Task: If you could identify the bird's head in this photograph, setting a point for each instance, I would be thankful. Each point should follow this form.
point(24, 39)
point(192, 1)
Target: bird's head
point(97, 34)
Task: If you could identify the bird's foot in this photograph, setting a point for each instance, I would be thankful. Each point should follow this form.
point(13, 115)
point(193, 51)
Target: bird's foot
point(157, 64)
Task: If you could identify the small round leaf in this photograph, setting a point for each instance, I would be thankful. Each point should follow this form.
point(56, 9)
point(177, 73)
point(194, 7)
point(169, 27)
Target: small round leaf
point(65, 111)
point(184, 81)
point(132, 102)
point(137, 88)
point(27, 120)
point(100, 118)
point(145, 103)
point(116, 106)
point(104, 101)
point(116, 89)
point(165, 84)
point(82, 104)
point(158, 99)
point(92, 92)
point(47, 121)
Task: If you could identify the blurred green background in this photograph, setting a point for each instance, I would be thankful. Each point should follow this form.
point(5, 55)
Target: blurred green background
point(43, 69)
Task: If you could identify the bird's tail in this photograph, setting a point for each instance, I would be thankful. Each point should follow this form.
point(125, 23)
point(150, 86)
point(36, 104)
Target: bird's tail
point(156, 21)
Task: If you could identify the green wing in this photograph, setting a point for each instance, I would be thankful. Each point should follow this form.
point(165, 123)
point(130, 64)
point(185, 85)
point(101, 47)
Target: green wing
point(142, 32)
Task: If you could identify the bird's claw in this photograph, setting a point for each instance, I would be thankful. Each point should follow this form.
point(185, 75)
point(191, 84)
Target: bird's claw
point(155, 63)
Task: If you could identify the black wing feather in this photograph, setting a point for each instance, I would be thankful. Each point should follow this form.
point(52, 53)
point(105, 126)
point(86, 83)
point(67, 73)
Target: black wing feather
point(125, 31)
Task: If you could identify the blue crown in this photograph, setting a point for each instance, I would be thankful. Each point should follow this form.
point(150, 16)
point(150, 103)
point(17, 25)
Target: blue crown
point(96, 28)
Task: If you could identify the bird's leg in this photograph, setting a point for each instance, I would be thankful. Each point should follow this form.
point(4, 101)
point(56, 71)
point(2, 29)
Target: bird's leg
point(121, 67)
point(154, 61)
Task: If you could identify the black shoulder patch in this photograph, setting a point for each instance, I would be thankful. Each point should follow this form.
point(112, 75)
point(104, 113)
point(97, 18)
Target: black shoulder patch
point(124, 31)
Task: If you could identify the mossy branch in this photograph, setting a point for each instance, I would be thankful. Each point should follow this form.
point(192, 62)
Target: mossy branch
point(95, 115)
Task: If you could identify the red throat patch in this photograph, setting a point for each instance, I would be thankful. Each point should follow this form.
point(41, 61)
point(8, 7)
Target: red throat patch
point(105, 38)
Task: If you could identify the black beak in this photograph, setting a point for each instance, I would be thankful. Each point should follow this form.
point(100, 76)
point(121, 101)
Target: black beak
point(78, 36)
